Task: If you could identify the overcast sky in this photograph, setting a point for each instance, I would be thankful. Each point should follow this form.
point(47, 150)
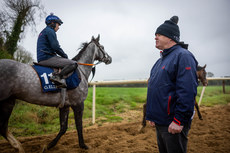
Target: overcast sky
point(127, 29)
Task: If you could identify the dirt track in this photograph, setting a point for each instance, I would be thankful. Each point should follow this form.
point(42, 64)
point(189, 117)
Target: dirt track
point(212, 135)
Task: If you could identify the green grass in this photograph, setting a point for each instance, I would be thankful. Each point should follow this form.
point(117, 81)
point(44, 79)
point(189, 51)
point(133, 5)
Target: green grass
point(214, 95)
point(110, 101)
point(28, 119)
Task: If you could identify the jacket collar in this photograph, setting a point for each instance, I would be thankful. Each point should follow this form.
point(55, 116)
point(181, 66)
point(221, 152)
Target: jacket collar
point(169, 50)
point(50, 27)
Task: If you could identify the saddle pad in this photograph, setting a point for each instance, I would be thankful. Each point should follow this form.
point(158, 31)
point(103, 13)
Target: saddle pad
point(44, 74)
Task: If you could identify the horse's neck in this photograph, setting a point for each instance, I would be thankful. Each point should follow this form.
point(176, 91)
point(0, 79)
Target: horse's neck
point(198, 75)
point(87, 57)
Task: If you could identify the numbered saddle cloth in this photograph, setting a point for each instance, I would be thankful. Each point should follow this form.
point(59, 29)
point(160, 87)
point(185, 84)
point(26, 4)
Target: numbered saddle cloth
point(44, 74)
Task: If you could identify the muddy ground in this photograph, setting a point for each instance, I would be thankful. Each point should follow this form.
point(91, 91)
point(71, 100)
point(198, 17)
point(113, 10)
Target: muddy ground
point(211, 135)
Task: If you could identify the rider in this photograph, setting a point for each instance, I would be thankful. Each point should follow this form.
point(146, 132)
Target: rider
point(48, 47)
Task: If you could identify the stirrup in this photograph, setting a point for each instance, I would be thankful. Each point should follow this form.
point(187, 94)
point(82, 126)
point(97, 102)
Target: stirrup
point(59, 82)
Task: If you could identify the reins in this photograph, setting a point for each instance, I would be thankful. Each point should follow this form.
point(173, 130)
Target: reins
point(86, 64)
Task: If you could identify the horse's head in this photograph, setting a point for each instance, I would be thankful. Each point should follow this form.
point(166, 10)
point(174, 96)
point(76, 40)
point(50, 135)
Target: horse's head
point(100, 53)
point(89, 52)
point(201, 74)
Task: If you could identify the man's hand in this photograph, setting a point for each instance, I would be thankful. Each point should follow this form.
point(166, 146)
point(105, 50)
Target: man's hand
point(151, 123)
point(174, 128)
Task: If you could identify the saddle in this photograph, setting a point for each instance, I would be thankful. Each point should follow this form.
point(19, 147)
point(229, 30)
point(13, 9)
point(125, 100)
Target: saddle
point(44, 73)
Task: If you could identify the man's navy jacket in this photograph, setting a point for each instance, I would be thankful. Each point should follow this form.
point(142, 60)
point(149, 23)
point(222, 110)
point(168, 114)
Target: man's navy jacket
point(172, 87)
point(48, 45)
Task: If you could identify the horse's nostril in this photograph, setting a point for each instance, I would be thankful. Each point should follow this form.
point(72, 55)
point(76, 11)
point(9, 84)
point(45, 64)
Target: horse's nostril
point(109, 60)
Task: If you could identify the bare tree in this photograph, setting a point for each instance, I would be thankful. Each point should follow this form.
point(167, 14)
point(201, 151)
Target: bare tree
point(23, 56)
point(15, 16)
point(210, 74)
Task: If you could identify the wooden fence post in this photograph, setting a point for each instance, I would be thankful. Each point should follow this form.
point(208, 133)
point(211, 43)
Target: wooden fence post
point(201, 95)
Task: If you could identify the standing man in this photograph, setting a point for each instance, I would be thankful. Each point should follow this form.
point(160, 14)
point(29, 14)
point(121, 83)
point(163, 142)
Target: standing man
point(48, 48)
point(172, 88)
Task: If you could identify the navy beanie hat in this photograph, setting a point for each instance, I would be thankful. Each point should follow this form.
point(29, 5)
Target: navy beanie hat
point(170, 29)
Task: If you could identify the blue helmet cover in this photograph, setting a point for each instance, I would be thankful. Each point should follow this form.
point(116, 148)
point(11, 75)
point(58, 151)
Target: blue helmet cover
point(53, 18)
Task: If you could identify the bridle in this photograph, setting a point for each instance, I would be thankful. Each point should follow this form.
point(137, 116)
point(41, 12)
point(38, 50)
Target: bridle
point(105, 56)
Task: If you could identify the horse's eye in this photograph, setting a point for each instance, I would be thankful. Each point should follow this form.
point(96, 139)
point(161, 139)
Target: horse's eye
point(102, 47)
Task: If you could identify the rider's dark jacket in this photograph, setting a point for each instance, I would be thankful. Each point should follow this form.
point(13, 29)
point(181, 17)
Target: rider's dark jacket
point(48, 45)
point(172, 87)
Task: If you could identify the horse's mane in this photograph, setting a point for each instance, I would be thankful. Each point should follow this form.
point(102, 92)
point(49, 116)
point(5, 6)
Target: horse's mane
point(81, 49)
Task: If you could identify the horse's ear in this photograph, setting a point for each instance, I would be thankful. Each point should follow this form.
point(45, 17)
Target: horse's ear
point(204, 66)
point(92, 38)
point(98, 38)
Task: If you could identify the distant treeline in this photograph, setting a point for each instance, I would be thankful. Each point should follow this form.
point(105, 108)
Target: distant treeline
point(218, 82)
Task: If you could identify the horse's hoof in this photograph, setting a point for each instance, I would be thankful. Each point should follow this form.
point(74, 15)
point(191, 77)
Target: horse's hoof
point(141, 129)
point(84, 147)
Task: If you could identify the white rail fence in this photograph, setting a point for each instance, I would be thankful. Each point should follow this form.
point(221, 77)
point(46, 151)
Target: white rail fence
point(119, 82)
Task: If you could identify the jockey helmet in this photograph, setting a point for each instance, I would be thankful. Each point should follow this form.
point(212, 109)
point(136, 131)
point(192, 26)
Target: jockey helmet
point(53, 18)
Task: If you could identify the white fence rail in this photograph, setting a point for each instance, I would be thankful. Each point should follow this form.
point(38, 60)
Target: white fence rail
point(119, 82)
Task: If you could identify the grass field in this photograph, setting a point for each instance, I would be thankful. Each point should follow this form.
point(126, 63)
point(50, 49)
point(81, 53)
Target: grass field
point(28, 119)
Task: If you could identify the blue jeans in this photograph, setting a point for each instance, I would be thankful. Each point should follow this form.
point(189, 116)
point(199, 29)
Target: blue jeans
point(172, 143)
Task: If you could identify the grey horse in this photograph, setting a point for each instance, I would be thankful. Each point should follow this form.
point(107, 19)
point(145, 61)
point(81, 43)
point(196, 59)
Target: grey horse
point(20, 81)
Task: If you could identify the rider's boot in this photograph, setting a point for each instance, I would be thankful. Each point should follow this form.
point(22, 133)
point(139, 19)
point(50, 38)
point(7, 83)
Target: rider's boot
point(57, 78)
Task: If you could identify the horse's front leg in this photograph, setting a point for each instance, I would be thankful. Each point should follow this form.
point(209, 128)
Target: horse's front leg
point(144, 115)
point(78, 114)
point(143, 119)
point(198, 111)
point(63, 115)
